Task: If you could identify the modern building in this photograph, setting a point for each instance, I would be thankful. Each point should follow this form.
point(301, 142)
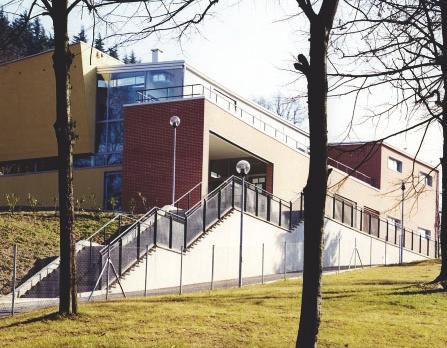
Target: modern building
point(124, 153)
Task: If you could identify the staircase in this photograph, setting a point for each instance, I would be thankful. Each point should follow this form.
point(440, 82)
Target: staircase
point(176, 228)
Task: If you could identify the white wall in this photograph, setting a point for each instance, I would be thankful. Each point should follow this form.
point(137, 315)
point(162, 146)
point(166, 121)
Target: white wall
point(164, 265)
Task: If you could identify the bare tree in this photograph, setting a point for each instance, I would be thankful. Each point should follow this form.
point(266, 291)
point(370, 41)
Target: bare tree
point(153, 16)
point(405, 48)
point(315, 71)
point(289, 108)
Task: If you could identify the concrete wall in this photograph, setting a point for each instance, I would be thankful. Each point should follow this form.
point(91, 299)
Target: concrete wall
point(164, 265)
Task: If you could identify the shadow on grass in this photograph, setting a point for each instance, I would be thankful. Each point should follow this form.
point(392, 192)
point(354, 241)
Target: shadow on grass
point(418, 292)
point(46, 317)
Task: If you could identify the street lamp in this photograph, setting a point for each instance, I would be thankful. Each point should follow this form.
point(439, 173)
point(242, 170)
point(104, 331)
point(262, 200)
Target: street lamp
point(242, 168)
point(174, 121)
point(402, 230)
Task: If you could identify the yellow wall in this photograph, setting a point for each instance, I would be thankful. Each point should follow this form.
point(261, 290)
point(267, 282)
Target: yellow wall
point(27, 103)
point(88, 184)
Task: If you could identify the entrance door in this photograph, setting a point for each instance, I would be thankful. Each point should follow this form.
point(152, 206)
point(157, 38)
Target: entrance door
point(112, 191)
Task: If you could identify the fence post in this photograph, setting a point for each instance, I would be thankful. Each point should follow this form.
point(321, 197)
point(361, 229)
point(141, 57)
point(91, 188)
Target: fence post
point(361, 219)
point(138, 240)
point(301, 205)
point(232, 192)
point(170, 231)
point(120, 257)
point(370, 250)
point(108, 264)
point(290, 215)
point(256, 201)
point(185, 232)
point(181, 271)
point(343, 211)
point(268, 207)
point(145, 273)
point(385, 251)
point(285, 259)
point(204, 215)
point(14, 271)
point(219, 197)
point(280, 213)
point(155, 227)
point(339, 252)
point(212, 268)
point(262, 266)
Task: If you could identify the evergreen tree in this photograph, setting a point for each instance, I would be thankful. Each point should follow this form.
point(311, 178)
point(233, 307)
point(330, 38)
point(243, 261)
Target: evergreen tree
point(82, 36)
point(126, 59)
point(99, 43)
point(132, 58)
point(113, 52)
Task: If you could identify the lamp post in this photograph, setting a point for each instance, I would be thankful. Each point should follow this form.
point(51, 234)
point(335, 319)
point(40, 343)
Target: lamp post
point(243, 168)
point(402, 230)
point(174, 121)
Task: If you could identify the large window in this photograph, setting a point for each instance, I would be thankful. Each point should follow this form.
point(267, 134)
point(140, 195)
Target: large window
point(117, 89)
point(424, 232)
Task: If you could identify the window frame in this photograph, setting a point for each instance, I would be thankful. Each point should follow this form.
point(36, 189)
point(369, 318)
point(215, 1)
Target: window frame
point(399, 164)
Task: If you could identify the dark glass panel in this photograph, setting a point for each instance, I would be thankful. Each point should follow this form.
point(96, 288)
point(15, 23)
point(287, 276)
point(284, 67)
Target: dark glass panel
point(112, 191)
point(115, 136)
point(101, 137)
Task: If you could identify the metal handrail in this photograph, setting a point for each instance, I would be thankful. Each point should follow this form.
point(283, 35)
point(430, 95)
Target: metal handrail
point(105, 225)
point(238, 111)
point(350, 170)
point(129, 228)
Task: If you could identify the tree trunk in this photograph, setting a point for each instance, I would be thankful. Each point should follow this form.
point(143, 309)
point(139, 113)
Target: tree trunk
point(315, 190)
point(63, 126)
point(443, 231)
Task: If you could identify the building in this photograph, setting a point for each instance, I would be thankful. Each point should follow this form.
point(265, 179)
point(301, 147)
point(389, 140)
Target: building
point(123, 157)
point(123, 160)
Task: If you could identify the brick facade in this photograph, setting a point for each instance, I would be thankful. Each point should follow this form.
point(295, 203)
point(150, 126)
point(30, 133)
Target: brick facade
point(147, 154)
point(352, 155)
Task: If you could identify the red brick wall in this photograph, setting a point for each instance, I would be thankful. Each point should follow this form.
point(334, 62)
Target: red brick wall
point(353, 155)
point(147, 155)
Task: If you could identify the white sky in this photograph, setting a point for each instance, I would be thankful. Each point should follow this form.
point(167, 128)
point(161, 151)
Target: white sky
point(246, 47)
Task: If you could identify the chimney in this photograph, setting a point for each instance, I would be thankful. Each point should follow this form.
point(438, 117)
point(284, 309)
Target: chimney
point(155, 52)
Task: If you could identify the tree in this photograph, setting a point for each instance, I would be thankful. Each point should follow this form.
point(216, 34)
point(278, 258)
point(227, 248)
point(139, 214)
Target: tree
point(288, 108)
point(406, 49)
point(99, 43)
point(163, 15)
point(113, 52)
point(82, 36)
point(315, 71)
point(132, 58)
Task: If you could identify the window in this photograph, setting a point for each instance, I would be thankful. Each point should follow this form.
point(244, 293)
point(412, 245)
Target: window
point(112, 191)
point(371, 221)
point(259, 182)
point(344, 210)
point(424, 232)
point(395, 164)
point(426, 179)
point(393, 221)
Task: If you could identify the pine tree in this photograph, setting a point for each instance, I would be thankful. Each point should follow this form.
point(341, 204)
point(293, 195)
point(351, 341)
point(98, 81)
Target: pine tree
point(113, 52)
point(126, 59)
point(132, 58)
point(99, 43)
point(82, 36)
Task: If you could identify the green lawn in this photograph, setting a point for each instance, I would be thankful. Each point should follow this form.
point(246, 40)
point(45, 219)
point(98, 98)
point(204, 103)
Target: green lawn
point(378, 307)
point(37, 236)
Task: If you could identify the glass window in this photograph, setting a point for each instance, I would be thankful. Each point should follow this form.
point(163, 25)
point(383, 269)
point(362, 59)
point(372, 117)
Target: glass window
point(424, 232)
point(101, 99)
point(258, 181)
point(112, 191)
point(115, 136)
point(101, 137)
point(426, 179)
point(395, 164)
point(165, 83)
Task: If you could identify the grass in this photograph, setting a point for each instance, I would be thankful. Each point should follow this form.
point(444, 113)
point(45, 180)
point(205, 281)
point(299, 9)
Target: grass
point(378, 307)
point(36, 235)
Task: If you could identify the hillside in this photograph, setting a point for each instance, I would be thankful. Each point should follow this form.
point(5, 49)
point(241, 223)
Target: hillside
point(37, 237)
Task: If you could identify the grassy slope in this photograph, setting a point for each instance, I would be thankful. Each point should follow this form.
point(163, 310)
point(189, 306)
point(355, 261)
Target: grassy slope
point(37, 237)
point(379, 307)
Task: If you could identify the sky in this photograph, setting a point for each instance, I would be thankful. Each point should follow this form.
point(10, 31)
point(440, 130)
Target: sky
point(249, 47)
